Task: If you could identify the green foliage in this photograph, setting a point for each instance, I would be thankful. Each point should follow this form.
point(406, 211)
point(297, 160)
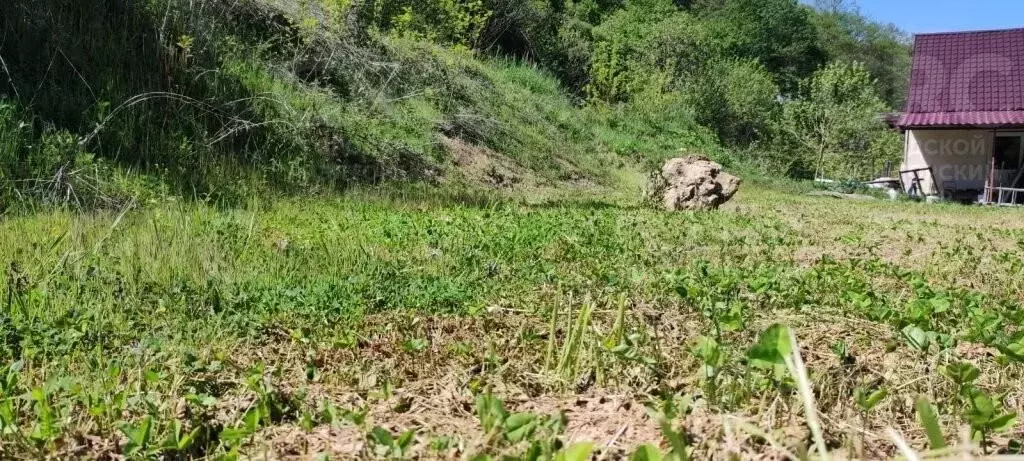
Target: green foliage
point(14, 138)
point(626, 59)
point(867, 400)
point(962, 374)
point(385, 445)
point(680, 450)
point(115, 326)
point(918, 338)
point(526, 435)
point(833, 127)
point(738, 98)
point(554, 34)
point(241, 98)
point(772, 350)
point(929, 420)
point(985, 415)
point(446, 21)
point(254, 112)
point(980, 409)
point(778, 33)
point(138, 436)
point(166, 106)
point(653, 51)
point(715, 292)
point(490, 411)
point(646, 453)
point(847, 36)
point(578, 452)
point(570, 357)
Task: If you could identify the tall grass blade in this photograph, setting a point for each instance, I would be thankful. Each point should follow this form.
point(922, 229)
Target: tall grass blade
point(549, 356)
point(797, 368)
point(568, 364)
point(929, 420)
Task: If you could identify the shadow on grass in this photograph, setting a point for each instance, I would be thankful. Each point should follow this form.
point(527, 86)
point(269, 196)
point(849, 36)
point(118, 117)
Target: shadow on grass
point(588, 204)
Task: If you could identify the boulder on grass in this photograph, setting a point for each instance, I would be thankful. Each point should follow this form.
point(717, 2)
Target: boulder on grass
point(692, 183)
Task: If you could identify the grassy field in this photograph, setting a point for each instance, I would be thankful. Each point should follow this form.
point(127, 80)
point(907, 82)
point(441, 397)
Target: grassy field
point(456, 263)
point(421, 323)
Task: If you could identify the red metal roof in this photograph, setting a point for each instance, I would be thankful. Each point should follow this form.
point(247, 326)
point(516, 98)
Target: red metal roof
point(967, 79)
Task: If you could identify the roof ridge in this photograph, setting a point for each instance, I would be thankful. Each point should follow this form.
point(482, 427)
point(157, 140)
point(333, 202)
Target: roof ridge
point(964, 32)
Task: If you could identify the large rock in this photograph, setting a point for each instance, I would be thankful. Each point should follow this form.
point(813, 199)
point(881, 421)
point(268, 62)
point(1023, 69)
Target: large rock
point(692, 183)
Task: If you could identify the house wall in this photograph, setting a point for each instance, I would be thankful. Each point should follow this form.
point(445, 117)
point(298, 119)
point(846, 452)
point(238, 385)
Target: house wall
point(955, 156)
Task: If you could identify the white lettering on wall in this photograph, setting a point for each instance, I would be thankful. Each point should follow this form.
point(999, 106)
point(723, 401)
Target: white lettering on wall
point(955, 147)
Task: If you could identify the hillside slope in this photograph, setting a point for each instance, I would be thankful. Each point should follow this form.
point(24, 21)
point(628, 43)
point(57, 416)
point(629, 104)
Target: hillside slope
point(225, 100)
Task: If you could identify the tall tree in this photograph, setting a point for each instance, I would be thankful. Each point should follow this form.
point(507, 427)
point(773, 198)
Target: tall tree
point(778, 33)
point(834, 126)
point(847, 35)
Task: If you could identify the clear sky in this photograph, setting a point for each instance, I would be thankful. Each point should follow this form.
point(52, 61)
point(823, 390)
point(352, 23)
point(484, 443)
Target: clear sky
point(923, 16)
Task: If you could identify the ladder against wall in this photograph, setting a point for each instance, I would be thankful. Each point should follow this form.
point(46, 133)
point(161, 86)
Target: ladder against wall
point(914, 185)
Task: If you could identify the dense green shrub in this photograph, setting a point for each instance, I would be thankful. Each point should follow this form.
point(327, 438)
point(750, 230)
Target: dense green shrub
point(546, 32)
point(55, 169)
point(459, 22)
point(779, 33)
point(43, 167)
point(835, 130)
point(634, 49)
point(739, 99)
point(657, 45)
point(13, 139)
point(217, 102)
point(140, 84)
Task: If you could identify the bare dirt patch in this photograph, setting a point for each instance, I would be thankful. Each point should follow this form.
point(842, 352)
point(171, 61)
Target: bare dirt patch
point(481, 165)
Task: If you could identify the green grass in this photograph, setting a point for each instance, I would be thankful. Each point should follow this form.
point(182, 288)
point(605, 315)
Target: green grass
point(191, 316)
point(229, 285)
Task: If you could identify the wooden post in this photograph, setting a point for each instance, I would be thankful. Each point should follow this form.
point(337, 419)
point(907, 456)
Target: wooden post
point(991, 176)
point(991, 181)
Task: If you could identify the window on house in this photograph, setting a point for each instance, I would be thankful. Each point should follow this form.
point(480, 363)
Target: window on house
point(1008, 152)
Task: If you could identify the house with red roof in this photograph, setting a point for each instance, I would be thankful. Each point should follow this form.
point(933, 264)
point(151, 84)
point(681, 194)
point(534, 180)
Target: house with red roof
point(964, 118)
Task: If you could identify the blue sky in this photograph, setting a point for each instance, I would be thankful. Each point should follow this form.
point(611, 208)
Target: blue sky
point(923, 16)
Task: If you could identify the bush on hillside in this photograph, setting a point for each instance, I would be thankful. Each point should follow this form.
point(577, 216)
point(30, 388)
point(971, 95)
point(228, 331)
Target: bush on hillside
point(145, 85)
point(639, 46)
point(778, 33)
point(456, 22)
point(835, 130)
point(738, 98)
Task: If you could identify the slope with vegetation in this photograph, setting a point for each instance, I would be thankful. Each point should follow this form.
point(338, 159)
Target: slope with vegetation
point(108, 101)
point(411, 229)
